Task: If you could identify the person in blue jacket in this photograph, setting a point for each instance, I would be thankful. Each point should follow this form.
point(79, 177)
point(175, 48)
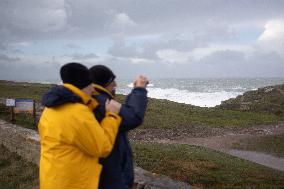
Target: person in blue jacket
point(117, 172)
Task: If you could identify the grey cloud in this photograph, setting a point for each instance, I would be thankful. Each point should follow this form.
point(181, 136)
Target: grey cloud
point(124, 69)
point(3, 47)
point(23, 70)
point(84, 56)
point(119, 49)
point(148, 49)
point(226, 57)
point(72, 46)
point(6, 58)
point(163, 24)
point(80, 57)
point(235, 64)
point(31, 19)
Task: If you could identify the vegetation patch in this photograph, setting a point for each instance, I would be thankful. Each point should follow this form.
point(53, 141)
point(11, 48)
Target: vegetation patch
point(15, 173)
point(268, 144)
point(24, 119)
point(204, 168)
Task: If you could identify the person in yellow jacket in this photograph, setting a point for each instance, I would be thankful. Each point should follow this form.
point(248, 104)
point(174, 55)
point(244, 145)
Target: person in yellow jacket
point(72, 140)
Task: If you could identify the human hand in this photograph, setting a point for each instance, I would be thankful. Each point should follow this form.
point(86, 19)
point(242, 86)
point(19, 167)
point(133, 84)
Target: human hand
point(112, 106)
point(141, 81)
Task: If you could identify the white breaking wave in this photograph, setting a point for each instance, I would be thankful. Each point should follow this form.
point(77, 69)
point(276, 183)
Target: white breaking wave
point(202, 99)
point(131, 85)
point(195, 98)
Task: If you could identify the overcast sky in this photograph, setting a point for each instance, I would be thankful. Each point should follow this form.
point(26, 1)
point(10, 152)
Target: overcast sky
point(157, 38)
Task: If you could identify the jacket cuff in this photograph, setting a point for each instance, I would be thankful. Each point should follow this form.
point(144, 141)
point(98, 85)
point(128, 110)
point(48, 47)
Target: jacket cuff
point(142, 89)
point(114, 115)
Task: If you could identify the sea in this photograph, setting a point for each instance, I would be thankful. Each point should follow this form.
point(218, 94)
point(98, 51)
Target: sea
point(199, 92)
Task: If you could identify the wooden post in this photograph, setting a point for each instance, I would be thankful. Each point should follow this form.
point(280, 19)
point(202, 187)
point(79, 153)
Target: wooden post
point(12, 115)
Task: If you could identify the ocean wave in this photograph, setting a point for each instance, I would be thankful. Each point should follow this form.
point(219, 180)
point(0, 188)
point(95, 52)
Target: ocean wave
point(130, 85)
point(202, 99)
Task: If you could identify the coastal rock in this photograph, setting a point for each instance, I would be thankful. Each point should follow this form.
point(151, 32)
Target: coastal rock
point(267, 100)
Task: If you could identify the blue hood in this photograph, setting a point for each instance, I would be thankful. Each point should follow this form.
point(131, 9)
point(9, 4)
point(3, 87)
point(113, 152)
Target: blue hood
point(59, 95)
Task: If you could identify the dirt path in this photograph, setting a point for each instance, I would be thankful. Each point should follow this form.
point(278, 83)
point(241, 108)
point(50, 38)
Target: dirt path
point(223, 142)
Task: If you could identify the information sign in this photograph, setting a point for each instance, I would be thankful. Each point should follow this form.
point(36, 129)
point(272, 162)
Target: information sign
point(24, 105)
point(10, 102)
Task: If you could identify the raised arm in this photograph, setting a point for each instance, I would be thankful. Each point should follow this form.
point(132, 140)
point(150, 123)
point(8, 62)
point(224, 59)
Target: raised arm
point(133, 110)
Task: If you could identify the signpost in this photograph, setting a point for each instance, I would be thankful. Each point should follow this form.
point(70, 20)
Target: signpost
point(21, 106)
point(11, 103)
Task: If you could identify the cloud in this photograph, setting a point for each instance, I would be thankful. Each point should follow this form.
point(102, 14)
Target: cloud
point(120, 50)
point(196, 54)
point(72, 46)
point(121, 23)
point(173, 56)
point(274, 30)
point(84, 56)
point(3, 47)
point(141, 61)
point(199, 53)
point(225, 57)
point(22, 20)
point(8, 59)
point(122, 19)
point(272, 38)
point(161, 38)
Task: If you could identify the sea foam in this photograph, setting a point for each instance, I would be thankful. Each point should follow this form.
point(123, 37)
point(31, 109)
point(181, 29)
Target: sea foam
point(202, 99)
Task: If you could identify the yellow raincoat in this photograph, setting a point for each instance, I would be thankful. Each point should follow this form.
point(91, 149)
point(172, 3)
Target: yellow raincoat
point(72, 141)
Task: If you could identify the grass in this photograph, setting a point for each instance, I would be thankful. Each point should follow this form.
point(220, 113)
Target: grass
point(161, 114)
point(23, 119)
point(15, 173)
point(167, 114)
point(10, 89)
point(204, 168)
point(268, 144)
point(195, 165)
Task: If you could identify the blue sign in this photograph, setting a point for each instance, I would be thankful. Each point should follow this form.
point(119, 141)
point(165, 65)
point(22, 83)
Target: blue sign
point(24, 105)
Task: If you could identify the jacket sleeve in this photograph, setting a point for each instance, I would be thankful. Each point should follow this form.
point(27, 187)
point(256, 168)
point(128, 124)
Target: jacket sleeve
point(97, 139)
point(133, 110)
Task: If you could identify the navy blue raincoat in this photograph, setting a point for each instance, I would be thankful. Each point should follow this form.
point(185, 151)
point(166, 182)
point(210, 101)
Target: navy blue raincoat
point(117, 170)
